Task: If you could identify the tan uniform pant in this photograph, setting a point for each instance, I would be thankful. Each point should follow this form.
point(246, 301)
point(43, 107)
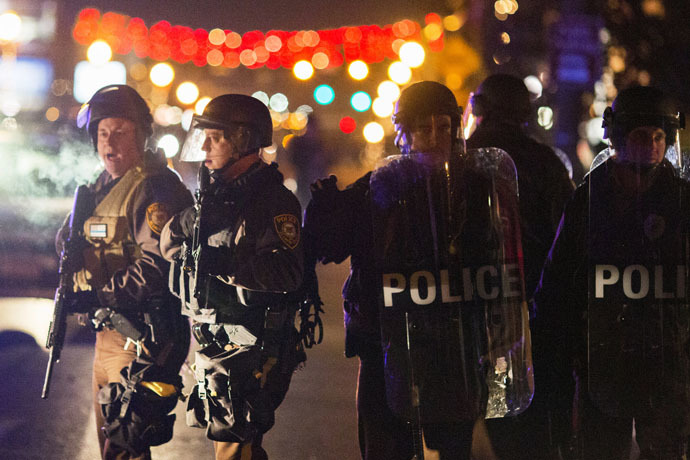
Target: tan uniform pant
point(109, 359)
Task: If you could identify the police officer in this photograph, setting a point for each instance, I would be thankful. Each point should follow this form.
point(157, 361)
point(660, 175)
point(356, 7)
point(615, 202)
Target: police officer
point(122, 282)
point(339, 223)
point(625, 228)
point(245, 258)
point(502, 108)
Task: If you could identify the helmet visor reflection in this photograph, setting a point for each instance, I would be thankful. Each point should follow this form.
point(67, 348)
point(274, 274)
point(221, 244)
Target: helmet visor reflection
point(192, 147)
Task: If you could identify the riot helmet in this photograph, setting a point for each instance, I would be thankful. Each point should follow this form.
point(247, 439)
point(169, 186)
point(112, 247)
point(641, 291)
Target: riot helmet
point(229, 112)
point(643, 106)
point(420, 100)
point(499, 97)
point(115, 101)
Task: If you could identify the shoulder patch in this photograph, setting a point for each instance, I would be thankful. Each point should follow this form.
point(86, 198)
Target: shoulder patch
point(156, 216)
point(287, 227)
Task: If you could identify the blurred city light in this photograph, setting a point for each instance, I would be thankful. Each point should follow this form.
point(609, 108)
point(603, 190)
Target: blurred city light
point(594, 131)
point(452, 22)
point(10, 26)
point(533, 85)
point(399, 73)
point(162, 74)
point(187, 92)
point(358, 70)
point(373, 132)
point(347, 125)
point(201, 104)
point(186, 120)
point(324, 94)
point(52, 114)
point(262, 96)
point(388, 90)
point(216, 37)
point(99, 52)
point(290, 184)
point(169, 144)
point(303, 70)
point(382, 107)
point(360, 101)
point(412, 54)
point(278, 102)
point(89, 78)
point(545, 117)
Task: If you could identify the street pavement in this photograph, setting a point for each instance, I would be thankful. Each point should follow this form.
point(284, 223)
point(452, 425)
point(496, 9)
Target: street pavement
point(317, 420)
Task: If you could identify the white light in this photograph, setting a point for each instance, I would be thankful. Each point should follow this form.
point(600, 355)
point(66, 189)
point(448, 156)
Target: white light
point(412, 54)
point(187, 92)
point(89, 78)
point(382, 107)
point(278, 102)
point(373, 132)
point(399, 73)
point(162, 74)
point(10, 107)
point(201, 105)
point(169, 144)
point(358, 70)
point(99, 52)
point(303, 70)
point(262, 96)
point(10, 26)
point(594, 131)
point(388, 90)
point(186, 120)
point(545, 117)
point(533, 85)
point(290, 184)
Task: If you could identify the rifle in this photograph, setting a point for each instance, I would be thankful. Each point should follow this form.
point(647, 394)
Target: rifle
point(81, 209)
point(195, 260)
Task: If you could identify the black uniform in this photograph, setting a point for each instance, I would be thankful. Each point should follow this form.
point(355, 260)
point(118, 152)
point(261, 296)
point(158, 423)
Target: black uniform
point(243, 323)
point(621, 225)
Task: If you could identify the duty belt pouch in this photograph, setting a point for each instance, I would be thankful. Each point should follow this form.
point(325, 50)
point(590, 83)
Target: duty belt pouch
point(220, 401)
point(136, 417)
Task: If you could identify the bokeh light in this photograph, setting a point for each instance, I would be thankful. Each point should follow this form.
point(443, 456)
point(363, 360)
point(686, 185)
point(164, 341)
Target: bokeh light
point(534, 85)
point(169, 144)
point(545, 117)
point(412, 54)
point(360, 101)
point(324, 94)
point(216, 36)
point(262, 96)
point(382, 107)
point(399, 72)
point(187, 92)
point(347, 125)
point(162, 74)
point(358, 70)
point(278, 102)
point(52, 114)
point(388, 90)
point(373, 132)
point(99, 52)
point(303, 70)
point(201, 104)
point(10, 26)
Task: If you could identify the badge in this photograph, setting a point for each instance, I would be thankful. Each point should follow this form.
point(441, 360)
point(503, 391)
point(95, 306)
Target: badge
point(156, 216)
point(287, 227)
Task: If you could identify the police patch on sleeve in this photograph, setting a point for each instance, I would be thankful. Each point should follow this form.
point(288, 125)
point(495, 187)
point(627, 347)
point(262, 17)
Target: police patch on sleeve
point(156, 216)
point(287, 227)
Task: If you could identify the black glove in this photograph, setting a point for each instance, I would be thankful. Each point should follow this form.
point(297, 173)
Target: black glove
point(325, 192)
point(82, 301)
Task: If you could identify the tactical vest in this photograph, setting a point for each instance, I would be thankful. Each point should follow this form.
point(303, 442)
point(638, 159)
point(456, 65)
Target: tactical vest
point(111, 245)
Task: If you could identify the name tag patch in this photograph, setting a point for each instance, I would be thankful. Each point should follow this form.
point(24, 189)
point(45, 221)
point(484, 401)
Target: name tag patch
point(98, 230)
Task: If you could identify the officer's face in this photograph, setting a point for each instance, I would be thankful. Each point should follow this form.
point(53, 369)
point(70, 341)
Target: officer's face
point(432, 134)
point(645, 145)
point(117, 145)
point(219, 149)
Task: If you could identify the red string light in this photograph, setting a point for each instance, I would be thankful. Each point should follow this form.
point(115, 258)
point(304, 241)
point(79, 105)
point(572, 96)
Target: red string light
point(163, 41)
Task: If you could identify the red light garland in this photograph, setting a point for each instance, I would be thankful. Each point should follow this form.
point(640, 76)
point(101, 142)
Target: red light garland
point(276, 48)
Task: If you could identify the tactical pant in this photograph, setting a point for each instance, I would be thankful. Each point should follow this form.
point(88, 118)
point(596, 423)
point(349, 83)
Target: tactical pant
point(109, 359)
point(382, 436)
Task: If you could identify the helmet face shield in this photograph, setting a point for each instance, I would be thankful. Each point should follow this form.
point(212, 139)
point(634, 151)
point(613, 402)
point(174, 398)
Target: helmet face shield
point(193, 143)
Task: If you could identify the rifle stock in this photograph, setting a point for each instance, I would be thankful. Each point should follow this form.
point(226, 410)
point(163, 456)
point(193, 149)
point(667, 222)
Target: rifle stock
point(81, 209)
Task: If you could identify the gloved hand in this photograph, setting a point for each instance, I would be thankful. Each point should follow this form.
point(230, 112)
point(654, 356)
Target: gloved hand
point(325, 191)
point(82, 301)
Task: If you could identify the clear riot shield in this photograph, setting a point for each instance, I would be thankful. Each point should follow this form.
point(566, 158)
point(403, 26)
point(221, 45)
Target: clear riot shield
point(638, 318)
point(454, 321)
